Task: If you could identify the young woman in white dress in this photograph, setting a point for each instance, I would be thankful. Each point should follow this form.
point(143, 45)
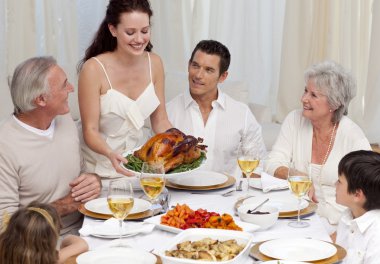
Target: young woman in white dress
point(121, 84)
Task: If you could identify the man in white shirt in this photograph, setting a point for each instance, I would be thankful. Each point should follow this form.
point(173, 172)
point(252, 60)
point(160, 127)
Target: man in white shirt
point(358, 188)
point(205, 111)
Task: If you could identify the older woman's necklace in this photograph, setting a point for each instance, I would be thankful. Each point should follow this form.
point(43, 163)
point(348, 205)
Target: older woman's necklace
point(318, 171)
point(330, 144)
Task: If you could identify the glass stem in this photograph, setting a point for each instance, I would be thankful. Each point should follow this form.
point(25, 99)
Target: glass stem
point(299, 210)
point(248, 176)
point(120, 229)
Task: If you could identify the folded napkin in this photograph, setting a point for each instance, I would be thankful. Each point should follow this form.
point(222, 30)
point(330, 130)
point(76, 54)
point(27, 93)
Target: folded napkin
point(269, 183)
point(110, 227)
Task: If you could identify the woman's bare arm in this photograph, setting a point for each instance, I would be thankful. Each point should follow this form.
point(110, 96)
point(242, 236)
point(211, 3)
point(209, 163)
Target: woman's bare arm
point(159, 117)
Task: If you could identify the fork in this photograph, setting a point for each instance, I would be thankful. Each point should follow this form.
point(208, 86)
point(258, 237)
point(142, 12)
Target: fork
point(228, 193)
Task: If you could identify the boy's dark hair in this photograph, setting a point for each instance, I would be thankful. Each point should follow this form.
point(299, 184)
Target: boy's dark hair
point(213, 47)
point(362, 171)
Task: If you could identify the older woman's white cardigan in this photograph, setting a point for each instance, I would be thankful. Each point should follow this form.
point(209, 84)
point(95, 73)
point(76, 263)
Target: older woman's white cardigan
point(294, 143)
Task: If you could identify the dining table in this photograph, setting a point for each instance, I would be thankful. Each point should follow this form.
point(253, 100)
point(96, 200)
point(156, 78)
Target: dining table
point(213, 200)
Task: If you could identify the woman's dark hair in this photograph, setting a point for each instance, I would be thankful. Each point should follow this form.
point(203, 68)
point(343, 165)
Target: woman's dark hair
point(362, 171)
point(31, 236)
point(213, 47)
point(103, 40)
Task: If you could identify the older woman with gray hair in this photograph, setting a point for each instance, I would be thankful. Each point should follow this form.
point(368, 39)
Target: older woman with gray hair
point(319, 135)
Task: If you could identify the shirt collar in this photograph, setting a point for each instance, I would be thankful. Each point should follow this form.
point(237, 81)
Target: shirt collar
point(221, 100)
point(363, 222)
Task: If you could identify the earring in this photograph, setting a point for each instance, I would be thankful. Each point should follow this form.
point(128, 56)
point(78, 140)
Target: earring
point(330, 110)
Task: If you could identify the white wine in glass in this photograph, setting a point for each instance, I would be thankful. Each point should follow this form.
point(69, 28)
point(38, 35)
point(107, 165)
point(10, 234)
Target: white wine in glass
point(299, 184)
point(120, 206)
point(248, 164)
point(152, 179)
point(248, 160)
point(120, 200)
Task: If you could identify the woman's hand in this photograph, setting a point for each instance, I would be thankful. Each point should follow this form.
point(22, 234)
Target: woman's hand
point(311, 194)
point(116, 159)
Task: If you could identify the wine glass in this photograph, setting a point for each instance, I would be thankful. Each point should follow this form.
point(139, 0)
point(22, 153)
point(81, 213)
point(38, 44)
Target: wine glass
point(248, 159)
point(120, 200)
point(299, 184)
point(152, 179)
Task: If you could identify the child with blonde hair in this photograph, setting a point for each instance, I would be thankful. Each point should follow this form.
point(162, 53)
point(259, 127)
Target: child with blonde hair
point(31, 237)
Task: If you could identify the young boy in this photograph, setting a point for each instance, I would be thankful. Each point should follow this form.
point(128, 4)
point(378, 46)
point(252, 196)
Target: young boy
point(358, 188)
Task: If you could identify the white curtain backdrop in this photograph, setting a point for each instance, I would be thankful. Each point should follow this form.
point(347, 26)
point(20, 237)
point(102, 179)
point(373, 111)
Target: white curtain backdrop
point(371, 120)
point(318, 30)
point(5, 105)
point(90, 14)
point(171, 27)
point(272, 42)
point(14, 41)
point(251, 29)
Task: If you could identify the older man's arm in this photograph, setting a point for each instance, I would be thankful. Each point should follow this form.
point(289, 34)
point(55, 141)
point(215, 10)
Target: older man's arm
point(66, 205)
point(84, 188)
point(9, 197)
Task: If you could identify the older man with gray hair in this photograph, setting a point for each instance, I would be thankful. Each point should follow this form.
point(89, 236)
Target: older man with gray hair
point(40, 155)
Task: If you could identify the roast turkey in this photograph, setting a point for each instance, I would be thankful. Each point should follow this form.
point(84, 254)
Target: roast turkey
point(172, 148)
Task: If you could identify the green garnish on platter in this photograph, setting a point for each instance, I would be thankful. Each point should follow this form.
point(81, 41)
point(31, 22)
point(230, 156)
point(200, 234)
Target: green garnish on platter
point(135, 164)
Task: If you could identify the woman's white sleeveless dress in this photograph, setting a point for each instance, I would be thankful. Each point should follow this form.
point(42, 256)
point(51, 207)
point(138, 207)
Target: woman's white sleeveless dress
point(120, 124)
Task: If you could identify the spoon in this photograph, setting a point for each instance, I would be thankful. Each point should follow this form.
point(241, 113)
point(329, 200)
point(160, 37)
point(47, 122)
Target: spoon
point(257, 207)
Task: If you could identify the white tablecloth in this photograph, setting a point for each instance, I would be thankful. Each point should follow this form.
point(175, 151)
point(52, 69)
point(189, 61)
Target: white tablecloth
point(213, 201)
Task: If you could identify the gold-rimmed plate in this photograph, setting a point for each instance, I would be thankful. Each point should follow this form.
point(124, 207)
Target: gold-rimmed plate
point(229, 182)
point(141, 215)
point(72, 260)
point(285, 202)
point(100, 206)
point(311, 208)
point(200, 179)
point(338, 256)
point(117, 255)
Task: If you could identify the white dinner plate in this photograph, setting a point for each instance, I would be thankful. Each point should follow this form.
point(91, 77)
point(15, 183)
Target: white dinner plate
point(247, 227)
point(113, 236)
point(285, 202)
point(100, 206)
point(167, 175)
point(256, 183)
point(200, 179)
point(116, 255)
point(284, 262)
point(297, 249)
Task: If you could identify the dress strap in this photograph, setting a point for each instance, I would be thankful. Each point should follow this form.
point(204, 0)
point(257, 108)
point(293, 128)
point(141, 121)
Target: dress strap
point(150, 68)
point(104, 69)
